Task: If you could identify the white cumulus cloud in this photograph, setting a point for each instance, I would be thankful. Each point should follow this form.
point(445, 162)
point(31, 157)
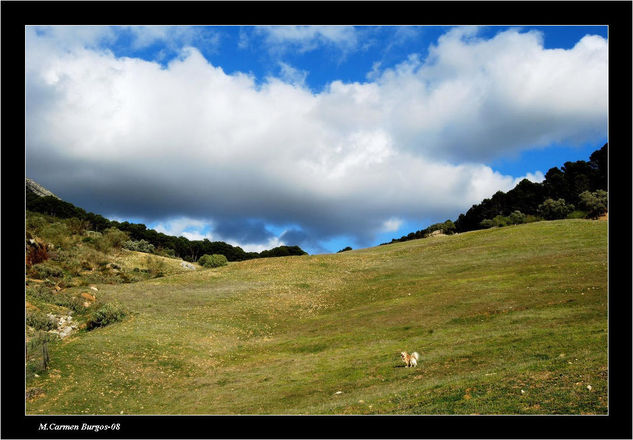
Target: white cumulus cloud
point(189, 140)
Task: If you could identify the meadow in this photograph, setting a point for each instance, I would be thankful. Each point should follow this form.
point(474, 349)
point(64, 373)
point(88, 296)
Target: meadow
point(508, 320)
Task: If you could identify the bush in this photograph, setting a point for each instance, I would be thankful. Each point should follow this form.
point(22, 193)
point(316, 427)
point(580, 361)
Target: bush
point(165, 252)
point(595, 203)
point(40, 320)
point(35, 222)
point(348, 248)
point(214, 260)
point(139, 246)
point(36, 252)
point(56, 233)
point(155, 266)
point(47, 270)
point(63, 299)
point(105, 315)
point(77, 226)
point(516, 218)
point(93, 235)
point(112, 238)
point(577, 214)
point(448, 227)
point(487, 223)
point(499, 221)
point(554, 209)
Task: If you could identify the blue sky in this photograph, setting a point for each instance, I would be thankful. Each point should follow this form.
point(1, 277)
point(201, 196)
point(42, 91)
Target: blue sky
point(322, 137)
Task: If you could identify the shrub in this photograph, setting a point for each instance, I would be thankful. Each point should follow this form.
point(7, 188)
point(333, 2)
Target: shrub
point(112, 238)
point(105, 315)
point(35, 222)
point(72, 302)
point(93, 235)
point(155, 266)
point(77, 226)
point(47, 270)
point(165, 252)
point(40, 320)
point(501, 221)
point(348, 248)
point(595, 203)
point(38, 291)
point(36, 252)
point(487, 223)
point(56, 233)
point(577, 214)
point(554, 209)
point(215, 260)
point(448, 227)
point(516, 217)
point(63, 299)
point(139, 246)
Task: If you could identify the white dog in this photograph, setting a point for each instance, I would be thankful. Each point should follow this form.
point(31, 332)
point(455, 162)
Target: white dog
point(410, 359)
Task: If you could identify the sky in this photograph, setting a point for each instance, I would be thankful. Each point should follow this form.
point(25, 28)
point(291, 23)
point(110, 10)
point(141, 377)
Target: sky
point(317, 136)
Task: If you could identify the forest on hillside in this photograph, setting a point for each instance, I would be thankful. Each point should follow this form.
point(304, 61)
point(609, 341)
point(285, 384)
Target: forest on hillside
point(162, 244)
point(575, 190)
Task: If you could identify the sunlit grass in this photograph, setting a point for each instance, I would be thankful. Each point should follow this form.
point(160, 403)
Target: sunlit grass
point(507, 321)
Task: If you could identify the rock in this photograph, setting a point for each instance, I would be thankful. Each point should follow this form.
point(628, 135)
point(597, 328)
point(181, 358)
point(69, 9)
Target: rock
point(88, 296)
point(94, 288)
point(188, 266)
point(38, 189)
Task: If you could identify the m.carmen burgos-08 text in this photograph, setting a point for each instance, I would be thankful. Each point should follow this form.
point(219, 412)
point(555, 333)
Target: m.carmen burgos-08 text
point(82, 427)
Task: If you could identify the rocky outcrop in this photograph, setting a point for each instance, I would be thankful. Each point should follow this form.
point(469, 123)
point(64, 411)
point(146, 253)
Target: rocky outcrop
point(65, 325)
point(38, 189)
point(188, 265)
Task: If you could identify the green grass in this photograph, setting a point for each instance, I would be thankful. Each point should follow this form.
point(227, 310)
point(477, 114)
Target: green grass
point(507, 321)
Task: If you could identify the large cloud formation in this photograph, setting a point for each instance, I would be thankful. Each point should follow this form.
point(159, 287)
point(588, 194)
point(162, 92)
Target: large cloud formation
point(129, 137)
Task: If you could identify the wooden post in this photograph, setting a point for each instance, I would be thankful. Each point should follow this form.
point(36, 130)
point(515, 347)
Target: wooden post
point(45, 357)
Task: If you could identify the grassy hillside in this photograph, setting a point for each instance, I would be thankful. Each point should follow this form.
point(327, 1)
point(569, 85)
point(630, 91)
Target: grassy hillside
point(509, 320)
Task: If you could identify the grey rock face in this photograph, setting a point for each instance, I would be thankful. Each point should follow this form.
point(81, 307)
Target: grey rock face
point(38, 189)
point(188, 265)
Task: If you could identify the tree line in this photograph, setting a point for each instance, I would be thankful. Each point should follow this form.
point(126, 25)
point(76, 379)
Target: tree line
point(189, 250)
point(576, 190)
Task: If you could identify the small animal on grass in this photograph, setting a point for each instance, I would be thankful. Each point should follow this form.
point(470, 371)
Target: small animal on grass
point(410, 359)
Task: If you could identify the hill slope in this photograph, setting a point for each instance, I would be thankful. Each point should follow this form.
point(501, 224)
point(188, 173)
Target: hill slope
point(510, 320)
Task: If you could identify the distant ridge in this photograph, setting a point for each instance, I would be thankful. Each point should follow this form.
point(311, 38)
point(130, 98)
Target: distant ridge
point(38, 189)
point(39, 199)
